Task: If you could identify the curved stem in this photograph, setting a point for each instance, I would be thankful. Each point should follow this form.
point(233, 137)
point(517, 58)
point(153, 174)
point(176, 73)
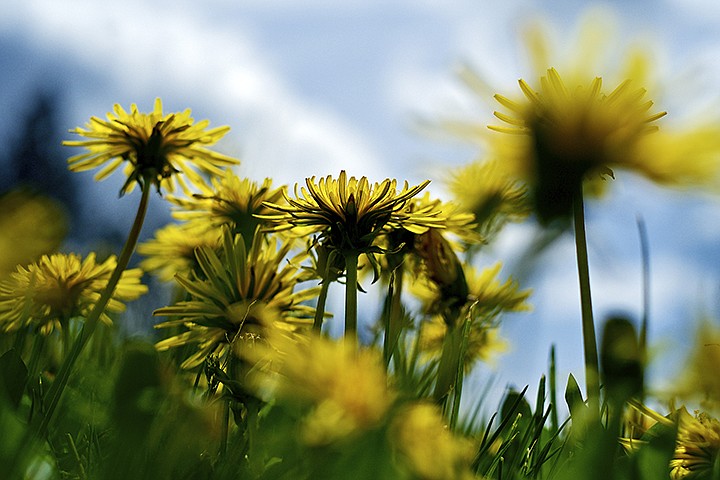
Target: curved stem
point(53, 396)
point(393, 313)
point(351, 264)
point(588, 325)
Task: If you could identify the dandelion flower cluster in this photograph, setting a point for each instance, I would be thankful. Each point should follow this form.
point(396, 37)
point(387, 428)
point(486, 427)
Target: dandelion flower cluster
point(155, 147)
point(48, 293)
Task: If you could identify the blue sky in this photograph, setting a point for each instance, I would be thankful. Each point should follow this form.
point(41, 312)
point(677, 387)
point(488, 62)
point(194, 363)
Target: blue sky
point(312, 86)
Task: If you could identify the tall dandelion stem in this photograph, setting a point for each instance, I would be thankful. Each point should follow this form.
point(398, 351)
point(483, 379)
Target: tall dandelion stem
point(53, 396)
point(588, 325)
point(351, 264)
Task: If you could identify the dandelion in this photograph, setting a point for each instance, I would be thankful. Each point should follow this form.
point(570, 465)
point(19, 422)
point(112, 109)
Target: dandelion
point(155, 146)
point(493, 196)
point(427, 447)
point(241, 294)
point(483, 342)
point(349, 214)
point(30, 225)
point(230, 200)
point(697, 451)
point(172, 251)
point(48, 293)
point(696, 383)
point(342, 390)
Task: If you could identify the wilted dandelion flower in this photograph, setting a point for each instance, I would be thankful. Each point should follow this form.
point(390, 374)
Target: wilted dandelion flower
point(427, 447)
point(344, 390)
point(230, 200)
point(30, 225)
point(241, 294)
point(155, 147)
point(48, 293)
point(350, 213)
point(172, 251)
point(573, 132)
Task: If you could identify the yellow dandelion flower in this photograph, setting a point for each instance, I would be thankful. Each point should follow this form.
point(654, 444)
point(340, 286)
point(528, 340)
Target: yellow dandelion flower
point(241, 293)
point(230, 200)
point(48, 293)
point(172, 251)
point(483, 341)
point(426, 445)
point(493, 196)
point(573, 132)
point(697, 451)
point(155, 147)
point(30, 225)
point(343, 388)
point(487, 296)
point(350, 213)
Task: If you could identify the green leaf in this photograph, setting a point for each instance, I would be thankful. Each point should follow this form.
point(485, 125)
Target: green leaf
point(573, 398)
point(13, 377)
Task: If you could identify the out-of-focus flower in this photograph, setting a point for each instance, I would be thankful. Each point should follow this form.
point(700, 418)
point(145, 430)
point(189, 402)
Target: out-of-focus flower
point(427, 447)
point(350, 213)
point(241, 294)
point(483, 341)
point(232, 201)
point(493, 196)
point(172, 251)
point(486, 296)
point(697, 382)
point(343, 390)
point(569, 132)
point(155, 147)
point(30, 225)
point(48, 293)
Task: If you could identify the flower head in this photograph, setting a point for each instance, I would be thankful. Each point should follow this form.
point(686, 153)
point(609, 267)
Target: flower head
point(172, 251)
point(231, 201)
point(697, 451)
point(155, 147)
point(350, 213)
point(573, 132)
point(343, 390)
point(242, 293)
point(48, 293)
point(427, 447)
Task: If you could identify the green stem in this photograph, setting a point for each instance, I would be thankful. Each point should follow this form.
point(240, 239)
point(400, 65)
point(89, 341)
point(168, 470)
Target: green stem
point(588, 326)
point(320, 308)
point(449, 362)
point(351, 264)
point(55, 392)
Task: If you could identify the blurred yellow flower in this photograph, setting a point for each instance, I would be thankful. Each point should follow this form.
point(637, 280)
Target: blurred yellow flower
point(232, 201)
point(343, 389)
point(492, 195)
point(172, 251)
point(483, 341)
point(697, 381)
point(30, 225)
point(48, 293)
point(568, 133)
point(426, 445)
point(350, 213)
point(237, 297)
point(486, 295)
point(156, 147)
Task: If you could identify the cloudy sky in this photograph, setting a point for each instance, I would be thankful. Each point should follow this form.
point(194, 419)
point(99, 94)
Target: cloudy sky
point(310, 87)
